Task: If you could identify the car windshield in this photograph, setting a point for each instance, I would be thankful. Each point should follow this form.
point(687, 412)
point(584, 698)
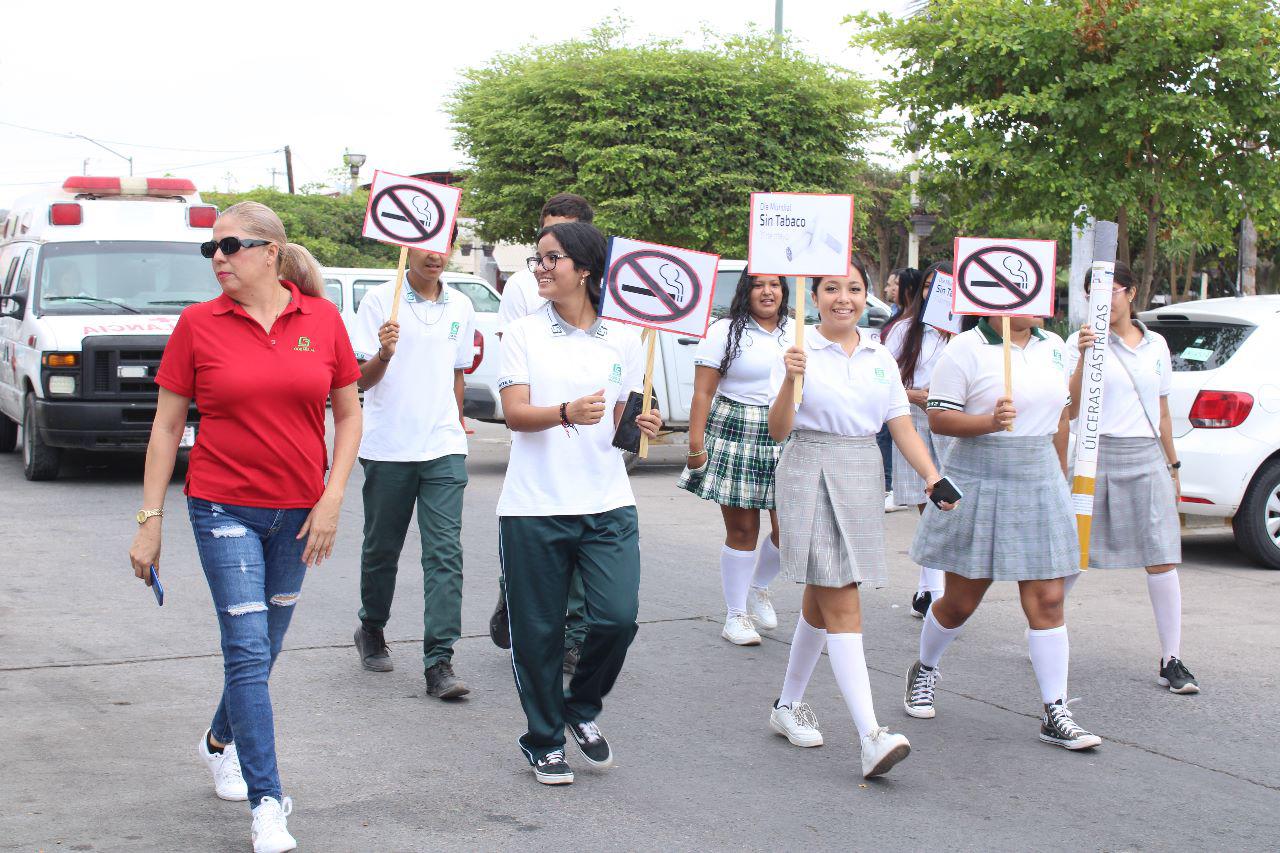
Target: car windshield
point(1197, 345)
point(115, 277)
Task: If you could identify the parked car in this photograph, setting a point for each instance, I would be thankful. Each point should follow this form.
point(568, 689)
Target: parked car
point(346, 287)
point(1225, 406)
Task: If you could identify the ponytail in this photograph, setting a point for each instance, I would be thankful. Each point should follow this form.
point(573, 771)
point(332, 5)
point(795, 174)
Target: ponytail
point(298, 266)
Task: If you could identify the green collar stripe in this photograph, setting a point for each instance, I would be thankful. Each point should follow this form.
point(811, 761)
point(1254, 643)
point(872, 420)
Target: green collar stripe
point(991, 336)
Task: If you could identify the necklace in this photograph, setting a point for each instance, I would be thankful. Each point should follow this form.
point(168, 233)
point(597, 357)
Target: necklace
point(413, 298)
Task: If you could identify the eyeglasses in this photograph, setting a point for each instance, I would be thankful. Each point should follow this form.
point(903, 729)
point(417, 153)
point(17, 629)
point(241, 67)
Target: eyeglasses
point(229, 246)
point(1115, 288)
point(546, 262)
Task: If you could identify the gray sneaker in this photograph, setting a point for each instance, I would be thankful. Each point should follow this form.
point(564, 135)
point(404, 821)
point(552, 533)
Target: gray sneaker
point(442, 683)
point(373, 651)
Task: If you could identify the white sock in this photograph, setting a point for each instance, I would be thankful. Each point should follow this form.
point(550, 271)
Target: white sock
point(850, 667)
point(934, 639)
point(768, 564)
point(1050, 654)
point(735, 576)
point(806, 648)
point(1068, 582)
point(1166, 601)
point(931, 580)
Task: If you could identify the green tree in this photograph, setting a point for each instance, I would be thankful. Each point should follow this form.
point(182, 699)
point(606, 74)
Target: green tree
point(666, 141)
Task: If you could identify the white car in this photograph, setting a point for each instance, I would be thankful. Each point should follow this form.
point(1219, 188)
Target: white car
point(1225, 406)
point(346, 287)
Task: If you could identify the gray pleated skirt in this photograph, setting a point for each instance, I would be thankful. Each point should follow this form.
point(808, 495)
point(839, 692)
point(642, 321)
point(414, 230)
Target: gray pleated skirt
point(1015, 521)
point(908, 488)
point(830, 494)
point(1135, 509)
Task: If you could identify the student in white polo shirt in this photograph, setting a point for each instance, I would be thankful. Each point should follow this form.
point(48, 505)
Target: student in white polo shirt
point(566, 501)
point(830, 498)
point(1135, 504)
point(1015, 522)
point(414, 452)
point(520, 298)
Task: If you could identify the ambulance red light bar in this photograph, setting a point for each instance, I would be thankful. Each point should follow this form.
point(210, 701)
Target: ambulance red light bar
point(65, 213)
point(128, 186)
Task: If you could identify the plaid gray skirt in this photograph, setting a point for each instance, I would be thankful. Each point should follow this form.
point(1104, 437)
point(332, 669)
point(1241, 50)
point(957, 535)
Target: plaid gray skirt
point(831, 509)
point(741, 457)
point(1135, 510)
point(1015, 521)
point(908, 487)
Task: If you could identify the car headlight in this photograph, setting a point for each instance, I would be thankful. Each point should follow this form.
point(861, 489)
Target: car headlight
point(62, 385)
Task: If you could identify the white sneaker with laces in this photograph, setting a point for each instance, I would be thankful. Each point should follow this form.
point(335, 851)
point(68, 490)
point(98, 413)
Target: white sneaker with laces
point(739, 630)
point(760, 606)
point(228, 782)
point(797, 723)
point(270, 829)
point(881, 750)
point(890, 505)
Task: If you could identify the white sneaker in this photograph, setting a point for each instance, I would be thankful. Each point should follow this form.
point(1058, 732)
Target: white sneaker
point(881, 750)
point(796, 723)
point(270, 829)
point(890, 505)
point(739, 630)
point(228, 782)
point(760, 606)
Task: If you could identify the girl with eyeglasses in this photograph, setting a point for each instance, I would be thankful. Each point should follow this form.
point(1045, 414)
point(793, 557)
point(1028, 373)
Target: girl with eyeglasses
point(731, 456)
point(260, 361)
point(1135, 501)
point(566, 500)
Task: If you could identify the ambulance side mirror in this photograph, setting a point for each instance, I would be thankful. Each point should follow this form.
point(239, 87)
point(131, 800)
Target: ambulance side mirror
point(12, 305)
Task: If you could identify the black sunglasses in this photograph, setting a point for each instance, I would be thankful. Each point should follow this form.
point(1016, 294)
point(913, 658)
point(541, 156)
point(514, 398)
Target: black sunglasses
point(229, 246)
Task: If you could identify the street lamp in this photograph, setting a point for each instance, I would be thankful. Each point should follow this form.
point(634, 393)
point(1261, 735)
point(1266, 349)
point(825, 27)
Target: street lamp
point(353, 162)
point(921, 227)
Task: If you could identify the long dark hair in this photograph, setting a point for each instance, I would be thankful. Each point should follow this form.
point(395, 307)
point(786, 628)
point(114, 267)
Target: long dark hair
point(909, 281)
point(913, 315)
point(856, 263)
point(740, 313)
point(586, 247)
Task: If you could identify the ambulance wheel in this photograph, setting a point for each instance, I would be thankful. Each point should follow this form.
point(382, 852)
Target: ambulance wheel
point(8, 435)
point(39, 460)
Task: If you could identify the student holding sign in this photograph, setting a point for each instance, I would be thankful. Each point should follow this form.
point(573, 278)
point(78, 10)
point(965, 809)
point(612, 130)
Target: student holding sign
point(1135, 504)
point(566, 502)
point(731, 456)
point(829, 505)
point(916, 347)
point(1015, 522)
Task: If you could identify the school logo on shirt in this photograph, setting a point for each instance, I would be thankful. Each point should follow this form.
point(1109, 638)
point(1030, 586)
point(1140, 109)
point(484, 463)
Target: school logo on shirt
point(304, 345)
point(616, 374)
point(881, 376)
point(453, 331)
point(1057, 360)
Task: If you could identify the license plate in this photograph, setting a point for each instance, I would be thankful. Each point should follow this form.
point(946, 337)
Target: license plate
point(188, 437)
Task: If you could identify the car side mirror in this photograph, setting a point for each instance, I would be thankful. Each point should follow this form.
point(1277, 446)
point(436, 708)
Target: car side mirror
point(876, 316)
point(12, 305)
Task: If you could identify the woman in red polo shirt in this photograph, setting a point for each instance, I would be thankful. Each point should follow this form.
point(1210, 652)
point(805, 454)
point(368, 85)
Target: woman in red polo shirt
point(260, 361)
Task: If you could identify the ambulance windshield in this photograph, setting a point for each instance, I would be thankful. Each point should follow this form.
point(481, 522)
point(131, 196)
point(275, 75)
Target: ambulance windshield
point(124, 277)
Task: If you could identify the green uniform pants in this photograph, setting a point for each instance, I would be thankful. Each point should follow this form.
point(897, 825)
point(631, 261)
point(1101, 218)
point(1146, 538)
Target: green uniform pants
point(391, 490)
point(539, 554)
point(575, 619)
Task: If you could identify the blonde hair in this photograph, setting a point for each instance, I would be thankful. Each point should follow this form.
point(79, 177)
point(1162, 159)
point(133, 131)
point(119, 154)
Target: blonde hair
point(293, 262)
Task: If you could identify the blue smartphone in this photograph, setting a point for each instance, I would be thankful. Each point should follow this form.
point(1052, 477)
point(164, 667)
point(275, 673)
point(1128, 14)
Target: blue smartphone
point(156, 587)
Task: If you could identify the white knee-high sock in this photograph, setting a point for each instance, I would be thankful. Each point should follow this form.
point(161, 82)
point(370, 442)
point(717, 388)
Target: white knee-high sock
point(934, 639)
point(1166, 601)
point(850, 668)
point(1050, 654)
point(1068, 582)
point(768, 564)
point(735, 576)
point(806, 648)
point(931, 580)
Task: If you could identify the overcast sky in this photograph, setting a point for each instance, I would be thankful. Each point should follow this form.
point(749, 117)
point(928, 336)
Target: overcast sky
point(184, 88)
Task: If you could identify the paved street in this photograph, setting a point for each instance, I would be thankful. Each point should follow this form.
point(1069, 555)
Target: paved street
point(104, 696)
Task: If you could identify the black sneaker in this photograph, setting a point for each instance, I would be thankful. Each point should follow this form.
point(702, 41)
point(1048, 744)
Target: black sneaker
point(921, 681)
point(571, 658)
point(920, 603)
point(1175, 675)
point(373, 651)
point(552, 769)
point(1058, 728)
point(591, 744)
point(442, 683)
point(500, 624)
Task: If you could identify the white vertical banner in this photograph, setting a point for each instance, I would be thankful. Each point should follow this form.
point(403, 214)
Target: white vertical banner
point(1089, 422)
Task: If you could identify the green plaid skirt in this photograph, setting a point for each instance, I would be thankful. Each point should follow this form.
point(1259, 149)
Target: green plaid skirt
point(741, 457)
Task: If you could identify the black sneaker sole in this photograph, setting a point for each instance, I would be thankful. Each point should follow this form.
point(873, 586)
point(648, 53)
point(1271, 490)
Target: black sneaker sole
point(553, 778)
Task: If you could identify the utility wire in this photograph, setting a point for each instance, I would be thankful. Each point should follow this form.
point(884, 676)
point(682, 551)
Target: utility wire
point(127, 144)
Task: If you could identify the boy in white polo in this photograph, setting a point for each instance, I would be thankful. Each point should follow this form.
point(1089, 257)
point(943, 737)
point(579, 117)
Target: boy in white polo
point(414, 451)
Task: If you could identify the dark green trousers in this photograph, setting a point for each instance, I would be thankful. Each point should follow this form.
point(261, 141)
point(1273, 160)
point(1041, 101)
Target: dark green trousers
point(575, 618)
point(539, 555)
point(391, 491)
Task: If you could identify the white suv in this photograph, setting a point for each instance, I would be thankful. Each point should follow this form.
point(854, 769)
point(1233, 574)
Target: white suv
point(1225, 406)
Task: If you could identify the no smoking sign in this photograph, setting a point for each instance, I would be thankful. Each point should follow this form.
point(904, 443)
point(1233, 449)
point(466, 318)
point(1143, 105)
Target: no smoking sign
point(411, 212)
point(658, 287)
point(1004, 277)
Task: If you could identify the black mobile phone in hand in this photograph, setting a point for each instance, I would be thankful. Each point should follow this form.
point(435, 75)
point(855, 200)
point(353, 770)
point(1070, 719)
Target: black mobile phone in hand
point(156, 588)
point(945, 491)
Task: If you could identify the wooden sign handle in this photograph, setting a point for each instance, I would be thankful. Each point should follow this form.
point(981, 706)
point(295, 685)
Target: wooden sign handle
point(1008, 362)
point(652, 340)
point(395, 299)
point(800, 311)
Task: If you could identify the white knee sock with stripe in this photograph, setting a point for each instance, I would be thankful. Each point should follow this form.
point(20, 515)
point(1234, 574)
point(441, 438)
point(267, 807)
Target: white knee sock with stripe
point(934, 639)
point(931, 580)
point(806, 648)
point(850, 667)
point(1166, 601)
point(1050, 655)
point(736, 568)
point(768, 564)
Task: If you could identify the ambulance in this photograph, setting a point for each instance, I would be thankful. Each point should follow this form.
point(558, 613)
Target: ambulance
point(94, 277)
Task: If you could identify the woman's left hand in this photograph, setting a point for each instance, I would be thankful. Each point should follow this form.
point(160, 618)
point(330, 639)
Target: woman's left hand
point(321, 529)
point(918, 396)
point(650, 424)
point(928, 490)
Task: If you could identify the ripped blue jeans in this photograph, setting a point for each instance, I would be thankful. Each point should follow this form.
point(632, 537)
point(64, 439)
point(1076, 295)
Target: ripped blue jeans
point(253, 563)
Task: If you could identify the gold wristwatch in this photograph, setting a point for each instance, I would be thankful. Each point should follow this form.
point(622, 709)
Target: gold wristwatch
point(144, 514)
